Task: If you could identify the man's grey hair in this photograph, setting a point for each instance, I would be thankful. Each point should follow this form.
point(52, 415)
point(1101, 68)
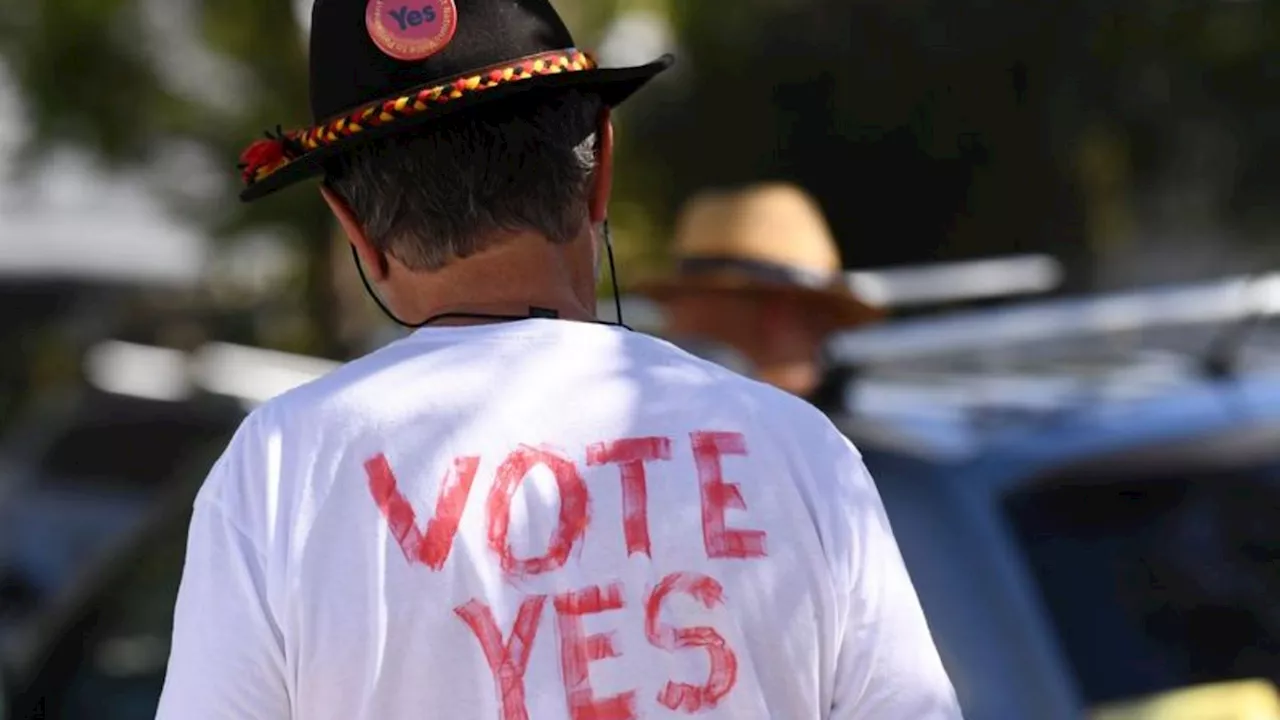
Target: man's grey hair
point(446, 191)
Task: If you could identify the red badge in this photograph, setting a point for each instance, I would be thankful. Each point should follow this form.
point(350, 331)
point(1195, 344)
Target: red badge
point(411, 30)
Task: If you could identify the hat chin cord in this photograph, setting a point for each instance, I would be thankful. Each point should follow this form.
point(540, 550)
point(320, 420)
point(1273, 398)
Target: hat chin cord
point(534, 312)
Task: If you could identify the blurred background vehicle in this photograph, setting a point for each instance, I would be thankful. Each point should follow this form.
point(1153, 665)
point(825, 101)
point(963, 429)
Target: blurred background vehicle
point(96, 502)
point(95, 555)
point(1090, 508)
point(1081, 481)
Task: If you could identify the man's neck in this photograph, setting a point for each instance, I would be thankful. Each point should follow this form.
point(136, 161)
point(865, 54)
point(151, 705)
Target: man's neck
point(522, 272)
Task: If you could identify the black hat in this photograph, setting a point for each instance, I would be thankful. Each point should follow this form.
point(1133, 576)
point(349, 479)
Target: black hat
point(381, 66)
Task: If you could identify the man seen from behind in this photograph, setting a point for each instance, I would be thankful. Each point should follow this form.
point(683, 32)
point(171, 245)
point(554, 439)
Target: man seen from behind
point(516, 511)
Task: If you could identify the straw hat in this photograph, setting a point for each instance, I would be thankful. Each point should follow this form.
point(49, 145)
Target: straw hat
point(764, 240)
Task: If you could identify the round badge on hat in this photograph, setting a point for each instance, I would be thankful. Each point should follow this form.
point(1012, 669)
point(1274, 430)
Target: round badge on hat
point(411, 30)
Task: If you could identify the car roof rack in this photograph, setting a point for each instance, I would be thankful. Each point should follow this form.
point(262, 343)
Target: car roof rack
point(968, 374)
point(914, 287)
point(1071, 320)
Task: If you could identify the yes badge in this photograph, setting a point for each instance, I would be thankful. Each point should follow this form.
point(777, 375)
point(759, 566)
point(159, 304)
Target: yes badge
point(411, 30)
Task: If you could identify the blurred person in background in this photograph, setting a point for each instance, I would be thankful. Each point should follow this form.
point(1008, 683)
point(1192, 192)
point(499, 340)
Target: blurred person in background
point(519, 511)
point(759, 271)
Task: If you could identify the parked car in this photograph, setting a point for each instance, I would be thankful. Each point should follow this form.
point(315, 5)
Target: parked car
point(95, 499)
point(1091, 519)
point(101, 652)
point(77, 482)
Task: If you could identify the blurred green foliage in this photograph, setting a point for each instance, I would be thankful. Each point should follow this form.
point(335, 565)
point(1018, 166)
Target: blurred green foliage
point(927, 128)
point(99, 75)
point(939, 129)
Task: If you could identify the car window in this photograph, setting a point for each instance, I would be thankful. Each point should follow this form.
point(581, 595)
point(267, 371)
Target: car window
point(92, 483)
point(1159, 581)
point(49, 535)
point(121, 672)
point(107, 660)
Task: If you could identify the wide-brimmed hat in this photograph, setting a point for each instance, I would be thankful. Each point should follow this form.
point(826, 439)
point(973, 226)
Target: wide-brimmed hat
point(769, 239)
point(384, 66)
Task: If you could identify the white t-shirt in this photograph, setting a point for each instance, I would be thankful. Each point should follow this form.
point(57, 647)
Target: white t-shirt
point(546, 520)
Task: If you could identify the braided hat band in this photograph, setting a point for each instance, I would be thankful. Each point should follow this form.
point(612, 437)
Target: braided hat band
point(269, 155)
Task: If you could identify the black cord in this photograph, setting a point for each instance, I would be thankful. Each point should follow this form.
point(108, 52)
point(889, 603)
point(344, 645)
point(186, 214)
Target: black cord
point(534, 312)
point(368, 288)
point(613, 273)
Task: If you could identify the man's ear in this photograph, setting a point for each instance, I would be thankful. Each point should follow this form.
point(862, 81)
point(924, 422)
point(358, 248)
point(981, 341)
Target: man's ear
point(375, 263)
point(602, 187)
